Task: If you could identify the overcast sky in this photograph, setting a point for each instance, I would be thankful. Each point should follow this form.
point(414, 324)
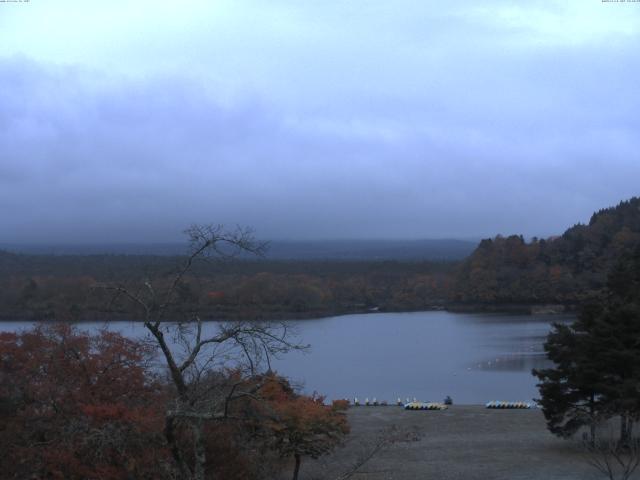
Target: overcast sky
point(129, 120)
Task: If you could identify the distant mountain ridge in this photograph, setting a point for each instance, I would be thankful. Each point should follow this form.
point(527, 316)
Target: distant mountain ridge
point(568, 269)
point(427, 249)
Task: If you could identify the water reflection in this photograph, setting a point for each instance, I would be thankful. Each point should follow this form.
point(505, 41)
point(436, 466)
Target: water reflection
point(514, 362)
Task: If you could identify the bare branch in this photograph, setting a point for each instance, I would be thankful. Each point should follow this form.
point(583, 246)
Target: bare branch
point(121, 290)
point(384, 439)
point(196, 347)
point(612, 459)
point(191, 355)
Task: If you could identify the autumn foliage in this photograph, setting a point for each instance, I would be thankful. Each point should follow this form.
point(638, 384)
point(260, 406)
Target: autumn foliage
point(81, 406)
point(77, 406)
point(570, 269)
point(303, 426)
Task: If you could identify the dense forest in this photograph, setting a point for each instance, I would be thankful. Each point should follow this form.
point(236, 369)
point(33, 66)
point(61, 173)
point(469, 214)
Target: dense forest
point(566, 270)
point(61, 287)
point(501, 272)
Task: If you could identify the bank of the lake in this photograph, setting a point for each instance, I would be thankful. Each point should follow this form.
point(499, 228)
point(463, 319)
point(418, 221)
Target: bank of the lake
point(514, 308)
point(461, 443)
point(263, 313)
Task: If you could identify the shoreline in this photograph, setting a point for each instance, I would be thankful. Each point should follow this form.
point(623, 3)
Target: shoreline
point(467, 442)
point(516, 309)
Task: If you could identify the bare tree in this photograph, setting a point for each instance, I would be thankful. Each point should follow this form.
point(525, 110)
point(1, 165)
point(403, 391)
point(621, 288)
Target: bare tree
point(363, 451)
point(369, 450)
point(193, 351)
point(613, 459)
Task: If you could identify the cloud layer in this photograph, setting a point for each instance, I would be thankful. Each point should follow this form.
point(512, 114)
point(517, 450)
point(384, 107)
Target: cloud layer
point(322, 121)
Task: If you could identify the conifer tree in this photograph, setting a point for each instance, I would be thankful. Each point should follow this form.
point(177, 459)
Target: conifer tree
point(597, 360)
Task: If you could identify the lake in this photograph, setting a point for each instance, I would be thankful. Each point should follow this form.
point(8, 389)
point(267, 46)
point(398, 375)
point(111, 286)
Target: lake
point(473, 358)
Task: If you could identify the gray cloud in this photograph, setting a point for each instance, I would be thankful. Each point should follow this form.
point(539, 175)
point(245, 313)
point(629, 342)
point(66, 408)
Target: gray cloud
point(390, 129)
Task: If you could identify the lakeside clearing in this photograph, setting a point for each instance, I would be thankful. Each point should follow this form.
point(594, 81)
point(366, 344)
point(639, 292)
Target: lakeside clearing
point(463, 442)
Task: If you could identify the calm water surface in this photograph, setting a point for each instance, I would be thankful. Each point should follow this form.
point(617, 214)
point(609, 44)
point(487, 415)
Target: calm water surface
point(473, 358)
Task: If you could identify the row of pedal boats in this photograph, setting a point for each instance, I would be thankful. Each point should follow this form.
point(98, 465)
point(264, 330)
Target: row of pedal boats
point(417, 405)
point(443, 406)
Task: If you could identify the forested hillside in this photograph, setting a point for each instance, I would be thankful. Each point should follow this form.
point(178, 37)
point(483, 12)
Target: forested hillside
point(564, 270)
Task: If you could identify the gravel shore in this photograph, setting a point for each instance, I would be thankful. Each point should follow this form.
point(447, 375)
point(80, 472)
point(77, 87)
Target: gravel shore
point(463, 442)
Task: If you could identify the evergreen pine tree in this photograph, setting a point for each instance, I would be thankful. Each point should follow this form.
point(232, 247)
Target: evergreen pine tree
point(596, 374)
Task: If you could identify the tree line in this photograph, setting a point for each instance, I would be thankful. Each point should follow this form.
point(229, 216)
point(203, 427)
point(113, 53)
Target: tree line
point(61, 288)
